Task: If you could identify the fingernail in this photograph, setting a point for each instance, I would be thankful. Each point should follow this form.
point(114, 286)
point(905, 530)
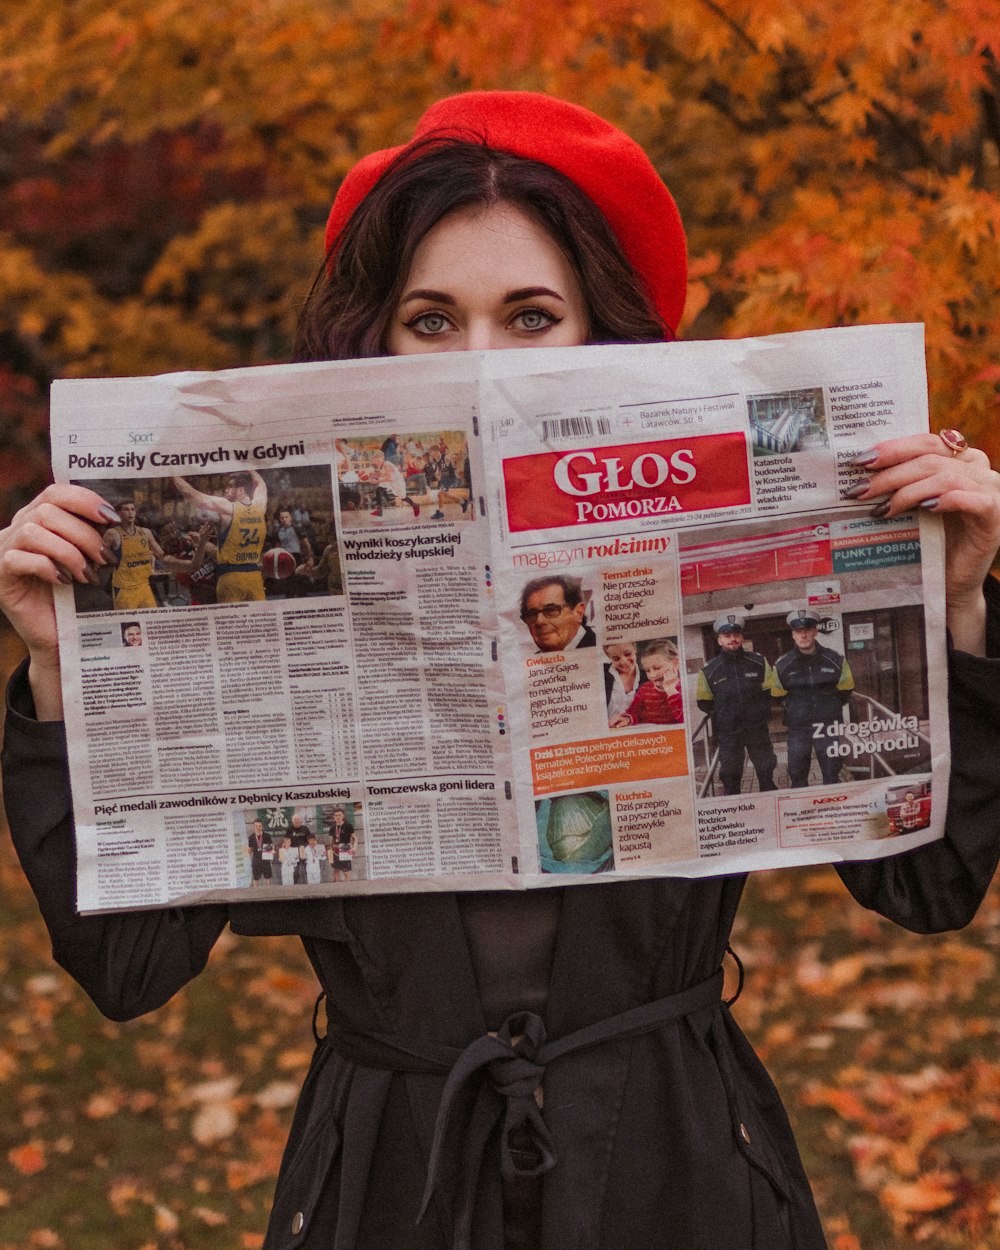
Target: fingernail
point(865, 457)
point(91, 574)
point(104, 555)
point(882, 508)
point(930, 503)
point(109, 514)
point(64, 577)
point(857, 490)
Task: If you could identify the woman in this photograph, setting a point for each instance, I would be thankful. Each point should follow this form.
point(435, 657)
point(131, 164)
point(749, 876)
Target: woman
point(536, 223)
point(621, 677)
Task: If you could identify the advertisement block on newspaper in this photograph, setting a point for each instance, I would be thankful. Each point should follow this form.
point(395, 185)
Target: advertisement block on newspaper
point(500, 620)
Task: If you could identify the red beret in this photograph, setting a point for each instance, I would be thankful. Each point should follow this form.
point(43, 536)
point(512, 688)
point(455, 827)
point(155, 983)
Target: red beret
point(603, 162)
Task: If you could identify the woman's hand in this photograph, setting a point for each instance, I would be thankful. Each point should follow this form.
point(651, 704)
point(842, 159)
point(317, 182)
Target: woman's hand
point(53, 540)
point(923, 471)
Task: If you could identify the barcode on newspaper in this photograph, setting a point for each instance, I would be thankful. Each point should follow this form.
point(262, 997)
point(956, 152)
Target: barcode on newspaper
point(575, 427)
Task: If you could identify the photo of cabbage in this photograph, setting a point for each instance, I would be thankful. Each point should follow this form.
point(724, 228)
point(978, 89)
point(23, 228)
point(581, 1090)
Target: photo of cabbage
point(574, 833)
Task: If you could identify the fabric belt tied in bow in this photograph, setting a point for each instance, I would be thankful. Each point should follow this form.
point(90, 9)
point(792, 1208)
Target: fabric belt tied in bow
point(491, 1084)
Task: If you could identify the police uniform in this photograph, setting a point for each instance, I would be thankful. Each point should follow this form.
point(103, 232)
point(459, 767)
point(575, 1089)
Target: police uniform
point(815, 686)
point(734, 689)
point(241, 578)
point(130, 586)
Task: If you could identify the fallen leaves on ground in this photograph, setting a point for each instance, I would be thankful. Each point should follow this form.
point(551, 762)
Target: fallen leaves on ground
point(164, 1133)
point(884, 1045)
point(28, 1159)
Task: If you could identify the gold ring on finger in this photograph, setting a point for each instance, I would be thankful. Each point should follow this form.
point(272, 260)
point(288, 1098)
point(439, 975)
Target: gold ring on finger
point(954, 440)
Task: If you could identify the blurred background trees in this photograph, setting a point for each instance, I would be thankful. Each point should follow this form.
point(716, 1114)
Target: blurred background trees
point(166, 166)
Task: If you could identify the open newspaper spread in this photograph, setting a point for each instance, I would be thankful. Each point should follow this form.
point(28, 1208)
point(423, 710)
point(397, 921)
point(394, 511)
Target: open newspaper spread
point(500, 620)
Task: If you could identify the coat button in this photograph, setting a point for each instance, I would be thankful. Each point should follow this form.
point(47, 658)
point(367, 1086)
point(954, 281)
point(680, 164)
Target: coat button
point(299, 1220)
point(743, 1133)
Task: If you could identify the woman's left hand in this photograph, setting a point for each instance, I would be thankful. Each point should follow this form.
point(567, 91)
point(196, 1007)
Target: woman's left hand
point(923, 471)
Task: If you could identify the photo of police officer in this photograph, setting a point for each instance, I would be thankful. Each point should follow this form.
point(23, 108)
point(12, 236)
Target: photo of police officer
point(815, 683)
point(734, 689)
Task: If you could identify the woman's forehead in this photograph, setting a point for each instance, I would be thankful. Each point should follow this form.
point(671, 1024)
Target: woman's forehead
point(502, 246)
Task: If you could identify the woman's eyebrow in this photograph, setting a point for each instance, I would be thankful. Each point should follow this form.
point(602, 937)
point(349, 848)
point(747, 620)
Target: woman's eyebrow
point(530, 292)
point(437, 297)
point(512, 297)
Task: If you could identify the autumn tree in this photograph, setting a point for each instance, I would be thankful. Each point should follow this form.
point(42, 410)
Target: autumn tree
point(835, 163)
point(167, 165)
point(166, 170)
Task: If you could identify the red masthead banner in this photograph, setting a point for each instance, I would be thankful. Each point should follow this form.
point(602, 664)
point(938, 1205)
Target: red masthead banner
point(626, 482)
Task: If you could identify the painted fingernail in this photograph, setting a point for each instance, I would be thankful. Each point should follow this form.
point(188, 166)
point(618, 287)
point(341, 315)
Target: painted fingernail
point(64, 577)
point(91, 574)
point(104, 555)
point(109, 514)
point(930, 503)
point(857, 490)
point(882, 508)
point(864, 457)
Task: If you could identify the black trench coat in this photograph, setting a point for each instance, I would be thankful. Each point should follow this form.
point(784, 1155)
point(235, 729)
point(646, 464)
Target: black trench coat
point(674, 1138)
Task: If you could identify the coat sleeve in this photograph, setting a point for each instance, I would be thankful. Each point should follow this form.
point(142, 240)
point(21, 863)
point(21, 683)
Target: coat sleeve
point(940, 885)
point(128, 962)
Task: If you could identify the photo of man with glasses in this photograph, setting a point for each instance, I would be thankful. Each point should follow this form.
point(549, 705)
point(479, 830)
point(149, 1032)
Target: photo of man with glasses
point(553, 608)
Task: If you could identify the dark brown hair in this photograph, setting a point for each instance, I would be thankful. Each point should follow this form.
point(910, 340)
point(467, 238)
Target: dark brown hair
point(572, 588)
point(348, 311)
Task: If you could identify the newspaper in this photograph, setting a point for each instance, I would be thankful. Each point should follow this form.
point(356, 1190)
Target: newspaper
point(500, 620)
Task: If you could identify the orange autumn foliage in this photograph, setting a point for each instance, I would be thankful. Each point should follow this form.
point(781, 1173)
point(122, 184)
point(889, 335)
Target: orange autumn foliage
point(28, 1159)
point(170, 163)
point(840, 163)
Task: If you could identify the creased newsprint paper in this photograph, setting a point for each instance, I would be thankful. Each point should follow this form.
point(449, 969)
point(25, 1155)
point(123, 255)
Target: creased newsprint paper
point(500, 620)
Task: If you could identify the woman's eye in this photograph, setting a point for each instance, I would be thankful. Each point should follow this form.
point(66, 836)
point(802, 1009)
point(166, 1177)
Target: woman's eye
point(533, 319)
point(429, 323)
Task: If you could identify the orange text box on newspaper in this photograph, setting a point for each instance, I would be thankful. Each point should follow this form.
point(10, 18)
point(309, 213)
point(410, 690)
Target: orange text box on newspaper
point(609, 761)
